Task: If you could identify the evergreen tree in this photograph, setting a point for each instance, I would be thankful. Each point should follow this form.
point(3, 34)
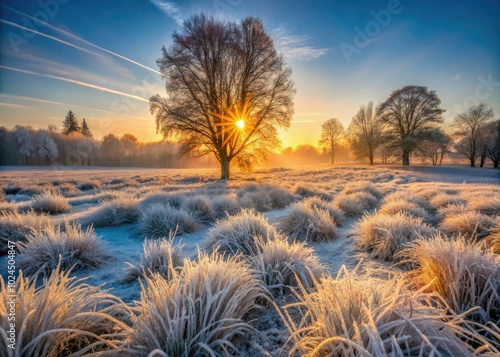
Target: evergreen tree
point(85, 130)
point(70, 123)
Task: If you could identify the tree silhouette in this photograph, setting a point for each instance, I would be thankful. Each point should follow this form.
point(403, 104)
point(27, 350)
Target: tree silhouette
point(469, 131)
point(228, 91)
point(70, 123)
point(85, 130)
point(365, 132)
point(332, 131)
point(408, 115)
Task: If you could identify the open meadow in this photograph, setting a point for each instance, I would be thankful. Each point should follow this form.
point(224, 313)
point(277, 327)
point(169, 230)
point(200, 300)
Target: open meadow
point(330, 261)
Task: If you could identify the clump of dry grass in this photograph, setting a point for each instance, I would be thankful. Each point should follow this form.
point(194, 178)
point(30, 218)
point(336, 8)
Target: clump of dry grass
point(201, 207)
point(386, 235)
point(158, 220)
point(467, 223)
point(492, 242)
point(444, 199)
point(15, 227)
point(355, 316)
point(225, 205)
point(462, 272)
point(334, 212)
point(159, 257)
point(174, 199)
point(401, 205)
point(114, 212)
point(50, 247)
point(355, 204)
point(408, 197)
point(361, 186)
point(308, 224)
point(281, 265)
point(199, 312)
point(485, 204)
point(263, 198)
point(49, 203)
point(62, 317)
point(238, 233)
point(307, 190)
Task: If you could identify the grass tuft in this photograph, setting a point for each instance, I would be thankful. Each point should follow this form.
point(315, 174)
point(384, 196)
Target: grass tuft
point(49, 203)
point(114, 212)
point(198, 313)
point(308, 224)
point(51, 247)
point(158, 220)
point(15, 226)
point(467, 223)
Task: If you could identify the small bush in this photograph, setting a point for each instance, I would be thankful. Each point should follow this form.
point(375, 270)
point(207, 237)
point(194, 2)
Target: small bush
point(462, 272)
point(352, 316)
point(238, 233)
point(114, 212)
point(201, 207)
point(15, 227)
point(62, 317)
point(71, 248)
point(159, 220)
point(334, 212)
point(159, 257)
point(87, 186)
point(281, 265)
point(401, 205)
point(199, 312)
point(467, 223)
point(308, 224)
point(49, 203)
point(387, 235)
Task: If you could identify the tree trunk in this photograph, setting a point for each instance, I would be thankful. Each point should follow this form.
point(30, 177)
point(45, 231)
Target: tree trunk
point(370, 155)
point(472, 162)
point(495, 163)
point(406, 157)
point(333, 156)
point(224, 167)
point(483, 160)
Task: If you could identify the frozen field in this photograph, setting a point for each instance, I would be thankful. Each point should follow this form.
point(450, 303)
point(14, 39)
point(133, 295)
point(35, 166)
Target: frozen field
point(324, 261)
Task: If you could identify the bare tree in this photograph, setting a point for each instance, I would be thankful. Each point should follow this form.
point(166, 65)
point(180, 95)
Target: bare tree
point(228, 90)
point(408, 114)
point(365, 132)
point(469, 133)
point(332, 131)
point(435, 146)
point(23, 137)
point(493, 147)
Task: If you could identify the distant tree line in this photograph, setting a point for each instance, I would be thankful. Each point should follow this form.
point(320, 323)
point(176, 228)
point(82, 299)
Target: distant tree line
point(408, 125)
point(75, 145)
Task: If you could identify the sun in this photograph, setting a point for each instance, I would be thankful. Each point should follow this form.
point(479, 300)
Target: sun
point(240, 123)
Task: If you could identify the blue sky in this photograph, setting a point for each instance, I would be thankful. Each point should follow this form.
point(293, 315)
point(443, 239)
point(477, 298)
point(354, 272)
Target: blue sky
point(97, 58)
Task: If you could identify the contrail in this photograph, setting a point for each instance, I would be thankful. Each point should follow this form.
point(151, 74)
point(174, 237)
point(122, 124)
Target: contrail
point(81, 39)
point(45, 101)
point(84, 84)
point(48, 36)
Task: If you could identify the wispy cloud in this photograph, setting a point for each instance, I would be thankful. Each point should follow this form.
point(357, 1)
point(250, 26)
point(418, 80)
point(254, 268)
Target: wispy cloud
point(294, 46)
point(81, 83)
point(303, 121)
point(170, 9)
point(66, 33)
point(456, 77)
point(13, 105)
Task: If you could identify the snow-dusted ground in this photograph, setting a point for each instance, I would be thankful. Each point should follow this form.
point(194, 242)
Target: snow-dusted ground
point(125, 245)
